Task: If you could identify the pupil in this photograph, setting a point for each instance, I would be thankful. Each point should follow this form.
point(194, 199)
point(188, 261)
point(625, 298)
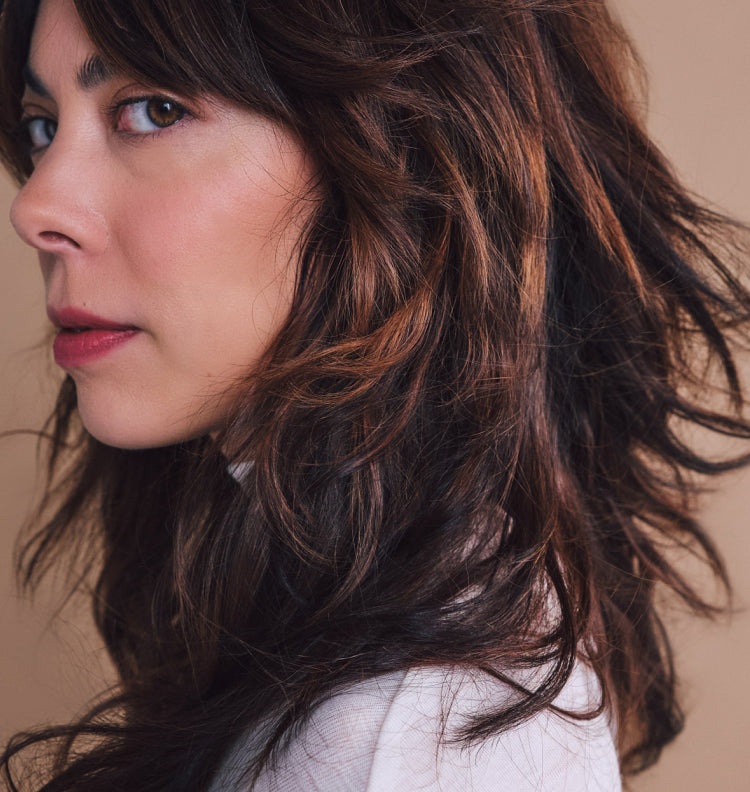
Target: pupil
point(163, 113)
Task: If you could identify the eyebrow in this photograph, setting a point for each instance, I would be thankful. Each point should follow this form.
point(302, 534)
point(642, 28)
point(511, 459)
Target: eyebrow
point(33, 82)
point(93, 72)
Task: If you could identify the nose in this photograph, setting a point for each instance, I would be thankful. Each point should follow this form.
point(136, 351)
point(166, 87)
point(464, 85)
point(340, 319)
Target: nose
point(60, 209)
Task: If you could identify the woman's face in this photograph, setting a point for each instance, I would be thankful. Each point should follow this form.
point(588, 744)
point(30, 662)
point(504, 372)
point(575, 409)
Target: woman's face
point(166, 232)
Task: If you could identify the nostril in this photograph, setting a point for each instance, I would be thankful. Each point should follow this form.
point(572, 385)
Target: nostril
point(54, 237)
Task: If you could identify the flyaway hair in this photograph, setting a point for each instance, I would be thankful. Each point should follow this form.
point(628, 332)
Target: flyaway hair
point(467, 438)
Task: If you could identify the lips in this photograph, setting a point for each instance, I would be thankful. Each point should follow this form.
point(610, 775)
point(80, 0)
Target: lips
point(84, 337)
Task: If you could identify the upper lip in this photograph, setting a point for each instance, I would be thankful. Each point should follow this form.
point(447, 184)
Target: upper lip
point(76, 318)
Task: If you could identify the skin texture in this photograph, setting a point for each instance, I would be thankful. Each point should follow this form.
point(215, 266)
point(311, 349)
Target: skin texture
point(187, 232)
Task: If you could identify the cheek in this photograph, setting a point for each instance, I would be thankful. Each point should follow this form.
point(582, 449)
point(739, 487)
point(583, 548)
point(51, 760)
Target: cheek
point(211, 257)
point(219, 214)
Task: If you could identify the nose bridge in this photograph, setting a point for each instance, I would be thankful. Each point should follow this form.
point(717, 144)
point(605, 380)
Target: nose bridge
point(63, 201)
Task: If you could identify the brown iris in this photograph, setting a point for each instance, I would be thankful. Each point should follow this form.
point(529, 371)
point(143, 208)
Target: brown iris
point(164, 112)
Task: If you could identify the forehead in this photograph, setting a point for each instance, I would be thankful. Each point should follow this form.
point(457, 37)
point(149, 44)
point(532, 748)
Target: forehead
point(60, 47)
point(160, 50)
point(59, 29)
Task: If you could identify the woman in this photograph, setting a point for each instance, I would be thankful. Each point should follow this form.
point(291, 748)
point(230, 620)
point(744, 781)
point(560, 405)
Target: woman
point(377, 321)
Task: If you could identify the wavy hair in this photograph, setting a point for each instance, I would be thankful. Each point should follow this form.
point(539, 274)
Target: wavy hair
point(466, 438)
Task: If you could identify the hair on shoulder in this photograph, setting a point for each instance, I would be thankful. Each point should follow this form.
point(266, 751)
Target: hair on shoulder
point(465, 439)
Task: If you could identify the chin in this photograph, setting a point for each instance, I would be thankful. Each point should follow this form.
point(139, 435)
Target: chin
point(135, 425)
point(123, 435)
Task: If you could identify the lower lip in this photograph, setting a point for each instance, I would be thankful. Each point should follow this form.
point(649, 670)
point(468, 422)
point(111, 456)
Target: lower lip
point(76, 349)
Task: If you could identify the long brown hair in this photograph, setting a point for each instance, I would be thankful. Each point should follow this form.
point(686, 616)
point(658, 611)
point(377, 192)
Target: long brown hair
point(465, 438)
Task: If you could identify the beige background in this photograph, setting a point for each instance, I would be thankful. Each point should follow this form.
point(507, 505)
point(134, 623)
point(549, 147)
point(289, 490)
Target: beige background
point(699, 62)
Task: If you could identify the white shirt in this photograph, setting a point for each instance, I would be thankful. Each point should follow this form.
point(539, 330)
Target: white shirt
point(392, 734)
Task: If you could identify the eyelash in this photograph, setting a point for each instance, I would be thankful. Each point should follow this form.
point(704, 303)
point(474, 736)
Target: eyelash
point(114, 113)
point(22, 133)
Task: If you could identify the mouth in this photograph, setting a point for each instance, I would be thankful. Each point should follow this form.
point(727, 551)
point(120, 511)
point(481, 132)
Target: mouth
point(83, 338)
point(76, 320)
point(86, 329)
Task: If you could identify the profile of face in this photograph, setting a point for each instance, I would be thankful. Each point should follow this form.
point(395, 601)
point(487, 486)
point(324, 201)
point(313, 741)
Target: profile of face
point(167, 233)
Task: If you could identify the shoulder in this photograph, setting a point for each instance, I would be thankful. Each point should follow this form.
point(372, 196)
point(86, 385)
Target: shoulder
point(394, 732)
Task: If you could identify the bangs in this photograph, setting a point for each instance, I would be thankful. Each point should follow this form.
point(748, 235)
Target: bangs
point(16, 24)
point(186, 47)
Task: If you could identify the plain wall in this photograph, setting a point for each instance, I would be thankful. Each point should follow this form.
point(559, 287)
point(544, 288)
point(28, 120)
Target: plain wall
point(699, 61)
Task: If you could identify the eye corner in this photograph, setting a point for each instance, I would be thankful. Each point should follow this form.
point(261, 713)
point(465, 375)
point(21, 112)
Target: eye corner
point(34, 133)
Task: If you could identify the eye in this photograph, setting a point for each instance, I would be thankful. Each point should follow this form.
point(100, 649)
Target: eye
point(144, 115)
point(38, 132)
